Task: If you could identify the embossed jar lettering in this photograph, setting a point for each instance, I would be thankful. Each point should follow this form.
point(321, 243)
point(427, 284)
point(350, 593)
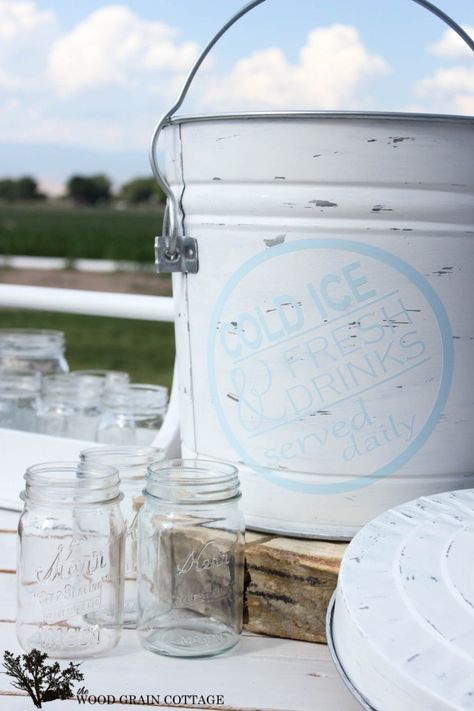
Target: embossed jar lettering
point(70, 566)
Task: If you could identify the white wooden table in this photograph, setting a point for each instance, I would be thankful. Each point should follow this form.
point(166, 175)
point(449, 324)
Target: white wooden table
point(260, 673)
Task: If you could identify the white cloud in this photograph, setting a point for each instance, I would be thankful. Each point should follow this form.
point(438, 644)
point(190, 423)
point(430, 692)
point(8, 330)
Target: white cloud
point(26, 121)
point(449, 90)
point(448, 81)
point(115, 47)
point(7, 80)
point(331, 67)
point(20, 19)
point(26, 34)
point(451, 46)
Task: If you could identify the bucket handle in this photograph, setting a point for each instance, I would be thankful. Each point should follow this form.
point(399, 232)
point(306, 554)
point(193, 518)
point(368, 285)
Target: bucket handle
point(171, 255)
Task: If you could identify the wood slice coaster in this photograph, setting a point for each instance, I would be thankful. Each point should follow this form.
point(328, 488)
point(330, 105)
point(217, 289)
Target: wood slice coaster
point(289, 583)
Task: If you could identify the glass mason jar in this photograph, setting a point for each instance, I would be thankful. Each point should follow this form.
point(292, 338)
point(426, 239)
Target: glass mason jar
point(132, 463)
point(190, 559)
point(70, 406)
point(34, 350)
point(109, 379)
point(19, 393)
point(70, 560)
point(132, 415)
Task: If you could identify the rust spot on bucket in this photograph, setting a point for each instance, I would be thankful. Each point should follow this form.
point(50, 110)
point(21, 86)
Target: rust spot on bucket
point(400, 139)
point(381, 208)
point(273, 242)
point(323, 203)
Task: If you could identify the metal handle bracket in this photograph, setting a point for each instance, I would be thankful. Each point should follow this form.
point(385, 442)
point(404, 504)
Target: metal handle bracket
point(184, 259)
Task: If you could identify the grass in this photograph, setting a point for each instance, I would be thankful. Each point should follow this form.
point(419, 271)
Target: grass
point(56, 230)
point(145, 349)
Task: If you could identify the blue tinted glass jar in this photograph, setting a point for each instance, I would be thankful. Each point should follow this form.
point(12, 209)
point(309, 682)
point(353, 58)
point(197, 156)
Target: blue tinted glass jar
point(191, 559)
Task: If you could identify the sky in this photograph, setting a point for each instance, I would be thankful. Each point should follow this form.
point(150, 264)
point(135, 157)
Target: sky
point(83, 82)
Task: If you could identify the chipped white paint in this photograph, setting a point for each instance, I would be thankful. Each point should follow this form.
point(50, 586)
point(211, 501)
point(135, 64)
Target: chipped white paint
point(324, 345)
point(403, 622)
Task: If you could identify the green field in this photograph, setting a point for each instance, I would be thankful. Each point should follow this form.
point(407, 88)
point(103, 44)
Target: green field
point(143, 348)
point(56, 230)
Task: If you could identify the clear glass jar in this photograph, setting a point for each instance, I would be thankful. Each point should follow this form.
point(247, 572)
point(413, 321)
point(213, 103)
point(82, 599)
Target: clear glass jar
point(36, 350)
point(70, 406)
point(109, 379)
point(70, 560)
point(19, 393)
point(132, 415)
point(132, 463)
point(190, 559)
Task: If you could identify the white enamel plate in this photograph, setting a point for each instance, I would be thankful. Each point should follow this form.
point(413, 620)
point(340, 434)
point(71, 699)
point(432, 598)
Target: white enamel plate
point(401, 624)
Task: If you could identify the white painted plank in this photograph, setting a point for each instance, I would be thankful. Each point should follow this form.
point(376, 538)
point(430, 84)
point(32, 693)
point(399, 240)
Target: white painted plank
point(19, 702)
point(261, 673)
point(8, 520)
point(7, 552)
point(20, 450)
point(7, 598)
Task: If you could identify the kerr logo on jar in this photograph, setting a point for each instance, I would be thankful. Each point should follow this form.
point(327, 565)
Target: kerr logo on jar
point(329, 358)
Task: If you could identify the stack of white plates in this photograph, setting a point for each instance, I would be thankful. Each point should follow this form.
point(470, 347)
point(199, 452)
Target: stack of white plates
point(401, 623)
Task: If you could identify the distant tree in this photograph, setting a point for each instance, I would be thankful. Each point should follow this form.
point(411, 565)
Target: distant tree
point(7, 189)
point(24, 188)
point(142, 190)
point(88, 189)
point(41, 681)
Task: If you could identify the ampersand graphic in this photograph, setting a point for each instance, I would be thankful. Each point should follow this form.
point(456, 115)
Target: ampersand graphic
point(251, 396)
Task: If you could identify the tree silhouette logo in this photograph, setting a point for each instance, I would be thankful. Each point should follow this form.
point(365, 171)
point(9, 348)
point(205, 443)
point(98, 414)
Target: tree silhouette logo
point(41, 681)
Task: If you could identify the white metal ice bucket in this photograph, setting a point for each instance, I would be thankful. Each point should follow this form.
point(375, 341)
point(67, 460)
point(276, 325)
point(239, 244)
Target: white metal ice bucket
point(323, 284)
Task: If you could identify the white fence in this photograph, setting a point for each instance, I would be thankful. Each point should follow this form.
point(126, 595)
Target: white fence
point(91, 303)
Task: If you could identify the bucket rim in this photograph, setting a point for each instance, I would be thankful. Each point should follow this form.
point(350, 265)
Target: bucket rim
point(361, 115)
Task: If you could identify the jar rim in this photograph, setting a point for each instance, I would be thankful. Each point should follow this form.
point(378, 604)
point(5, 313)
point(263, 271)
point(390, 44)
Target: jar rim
point(31, 332)
point(217, 471)
point(137, 398)
point(103, 374)
point(24, 381)
point(31, 341)
point(84, 482)
point(69, 385)
point(192, 481)
point(126, 457)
